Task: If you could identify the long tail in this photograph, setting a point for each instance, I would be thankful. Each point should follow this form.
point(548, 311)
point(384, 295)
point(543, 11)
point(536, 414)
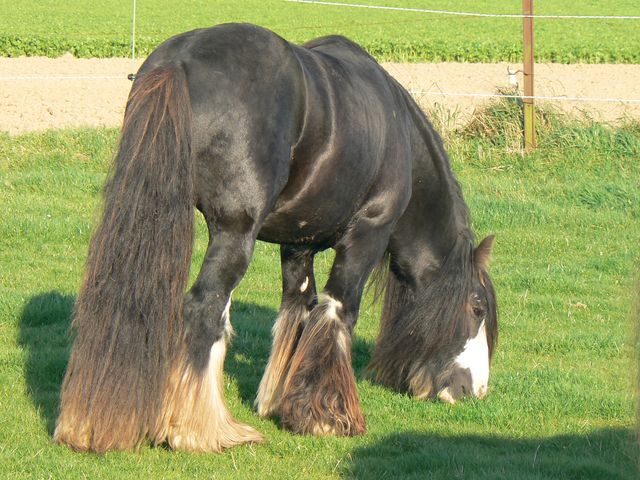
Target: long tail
point(128, 317)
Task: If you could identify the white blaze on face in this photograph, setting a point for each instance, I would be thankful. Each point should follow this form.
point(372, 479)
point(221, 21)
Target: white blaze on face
point(475, 357)
point(304, 285)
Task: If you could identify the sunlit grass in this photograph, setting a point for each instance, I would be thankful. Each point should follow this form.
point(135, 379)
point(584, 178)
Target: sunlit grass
point(561, 403)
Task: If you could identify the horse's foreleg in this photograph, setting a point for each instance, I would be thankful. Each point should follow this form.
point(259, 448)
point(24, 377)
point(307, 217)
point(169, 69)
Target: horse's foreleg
point(319, 393)
point(298, 297)
point(195, 416)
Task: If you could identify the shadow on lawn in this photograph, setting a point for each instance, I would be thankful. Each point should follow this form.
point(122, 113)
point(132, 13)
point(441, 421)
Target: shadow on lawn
point(44, 332)
point(603, 454)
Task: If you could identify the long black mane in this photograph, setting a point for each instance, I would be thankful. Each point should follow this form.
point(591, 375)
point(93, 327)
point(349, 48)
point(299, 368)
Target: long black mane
point(421, 318)
point(428, 316)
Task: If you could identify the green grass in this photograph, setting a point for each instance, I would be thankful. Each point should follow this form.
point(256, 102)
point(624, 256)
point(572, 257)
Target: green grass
point(103, 29)
point(562, 401)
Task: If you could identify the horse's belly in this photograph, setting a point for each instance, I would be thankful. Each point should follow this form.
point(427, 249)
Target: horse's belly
point(306, 226)
point(323, 193)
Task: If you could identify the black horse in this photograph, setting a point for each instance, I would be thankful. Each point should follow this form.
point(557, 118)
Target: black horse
point(311, 147)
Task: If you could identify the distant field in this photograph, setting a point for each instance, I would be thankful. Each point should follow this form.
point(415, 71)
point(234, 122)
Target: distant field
point(103, 29)
point(561, 402)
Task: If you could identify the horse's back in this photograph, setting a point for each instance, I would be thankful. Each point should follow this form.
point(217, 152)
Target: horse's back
point(238, 73)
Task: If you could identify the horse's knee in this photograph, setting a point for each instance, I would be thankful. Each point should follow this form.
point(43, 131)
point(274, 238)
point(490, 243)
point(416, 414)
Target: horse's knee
point(207, 321)
point(298, 279)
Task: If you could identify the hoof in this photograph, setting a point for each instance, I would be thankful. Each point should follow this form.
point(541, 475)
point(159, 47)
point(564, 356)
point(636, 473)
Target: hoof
point(195, 417)
point(319, 394)
point(286, 333)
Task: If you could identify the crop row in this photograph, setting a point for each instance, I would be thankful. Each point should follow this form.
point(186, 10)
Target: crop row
point(383, 50)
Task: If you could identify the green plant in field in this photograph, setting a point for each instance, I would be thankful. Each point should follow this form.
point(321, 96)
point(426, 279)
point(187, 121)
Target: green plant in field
point(561, 402)
point(52, 27)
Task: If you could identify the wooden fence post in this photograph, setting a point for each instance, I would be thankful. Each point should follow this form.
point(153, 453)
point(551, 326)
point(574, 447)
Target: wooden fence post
point(528, 61)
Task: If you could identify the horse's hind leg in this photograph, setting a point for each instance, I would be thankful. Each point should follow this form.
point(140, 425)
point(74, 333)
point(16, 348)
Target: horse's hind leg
point(319, 393)
point(298, 298)
point(195, 416)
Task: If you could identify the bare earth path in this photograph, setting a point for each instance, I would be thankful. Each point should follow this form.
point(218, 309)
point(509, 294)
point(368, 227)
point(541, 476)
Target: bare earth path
point(28, 104)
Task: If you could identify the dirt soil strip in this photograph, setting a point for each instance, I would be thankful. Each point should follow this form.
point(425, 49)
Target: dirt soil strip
point(28, 102)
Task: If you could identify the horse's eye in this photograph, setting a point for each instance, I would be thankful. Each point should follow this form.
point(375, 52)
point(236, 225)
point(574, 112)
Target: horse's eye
point(479, 311)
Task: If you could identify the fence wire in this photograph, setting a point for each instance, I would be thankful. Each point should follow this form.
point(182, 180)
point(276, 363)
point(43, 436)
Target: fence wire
point(469, 14)
point(560, 98)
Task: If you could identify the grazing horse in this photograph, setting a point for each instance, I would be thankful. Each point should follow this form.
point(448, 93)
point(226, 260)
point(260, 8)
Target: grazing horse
point(311, 147)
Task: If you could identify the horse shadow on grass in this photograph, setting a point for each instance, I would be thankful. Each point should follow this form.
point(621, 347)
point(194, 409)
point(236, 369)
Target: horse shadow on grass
point(607, 454)
point(45, 334)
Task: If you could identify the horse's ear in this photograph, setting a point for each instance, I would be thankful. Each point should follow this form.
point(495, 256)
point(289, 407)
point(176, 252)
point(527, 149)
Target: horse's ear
point(482, 253)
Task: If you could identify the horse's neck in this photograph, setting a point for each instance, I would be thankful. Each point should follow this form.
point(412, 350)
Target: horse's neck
point(437, 216)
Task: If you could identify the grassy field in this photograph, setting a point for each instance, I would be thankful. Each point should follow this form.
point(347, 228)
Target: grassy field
point(561, 402)
point(103, 29)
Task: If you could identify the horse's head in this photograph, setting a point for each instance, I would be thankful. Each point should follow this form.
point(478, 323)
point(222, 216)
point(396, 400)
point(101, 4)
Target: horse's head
point(437, 341)
point(464, 363)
